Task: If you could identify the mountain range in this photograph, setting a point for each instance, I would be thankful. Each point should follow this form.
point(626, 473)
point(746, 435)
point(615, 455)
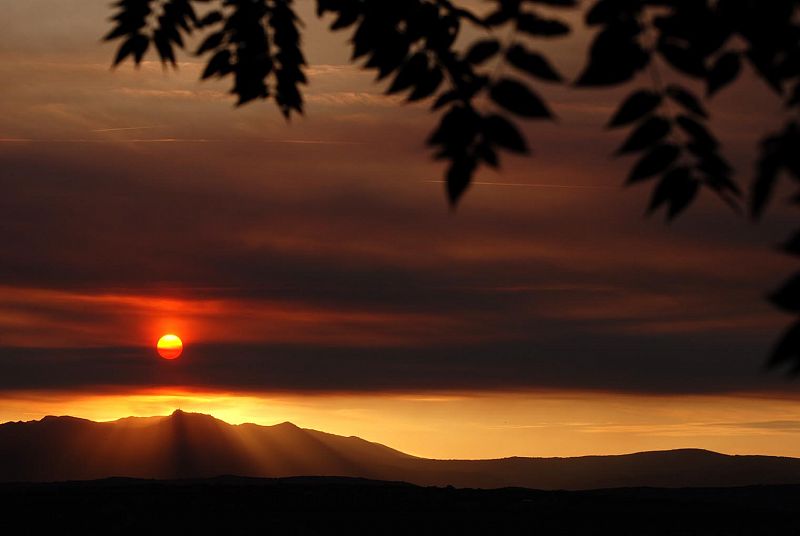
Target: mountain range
point(192, 445)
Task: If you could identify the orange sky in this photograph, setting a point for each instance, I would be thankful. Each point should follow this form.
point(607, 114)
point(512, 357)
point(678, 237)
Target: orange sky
point(471, 425)
point(316, 274)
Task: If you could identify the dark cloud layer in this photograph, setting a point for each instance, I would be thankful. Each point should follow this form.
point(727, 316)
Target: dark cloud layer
point(579, 293)
point(632, 364)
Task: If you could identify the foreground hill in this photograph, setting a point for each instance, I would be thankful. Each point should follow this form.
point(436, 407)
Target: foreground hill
point(190, 445)
point(328, 505)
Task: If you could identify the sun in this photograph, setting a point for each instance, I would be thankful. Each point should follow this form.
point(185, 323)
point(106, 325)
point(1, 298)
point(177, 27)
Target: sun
point(170, 346)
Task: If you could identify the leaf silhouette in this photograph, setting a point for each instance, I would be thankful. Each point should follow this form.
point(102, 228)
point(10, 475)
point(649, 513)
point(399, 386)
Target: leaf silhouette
point(616, 55)
point(648, 133)
point(723, 72)
point(482, 51)
point(459, 176)
point(427, 85)
point(699, 134)
point(533, 24)
point(136, 46)
point(685, 98)
point(218, 65)
point(531, 62)
point(635, 107)
point(656, 161)
point(409, 73)
point(676, 189)
point(787, 349)
point(502, 132)
point(517, 98)
point(685, 60)
point(787, 297)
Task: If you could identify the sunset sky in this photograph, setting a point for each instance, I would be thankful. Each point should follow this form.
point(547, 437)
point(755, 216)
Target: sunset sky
point(316, 273)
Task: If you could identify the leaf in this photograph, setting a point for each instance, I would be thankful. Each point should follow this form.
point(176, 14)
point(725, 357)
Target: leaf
point(635, 107)
point(289, 59)
point(503, 133)
point(763, 63)
point(429, 83)
point(714, 165)
point(346, 18)
point(518, 99)
point(699, 134)
point(764, 184)
point(648, 133)
point(556, 3)
point(482, 51)
point(163, 47)
point(410, 72)
point(616, 55)
point(687, 100)
point(686, 60)
point(136, 45)
point(540, 27)
point(446, 98)
point(459, 175)
point(602, 12)
point(388, 57)
point(794, 98)
point(663, 191)
point(485, 152)
point(676, 189)
point(656, 161)
point(218, 65)
point(788, 348)
point(212, 42)
point(457, 129)
point(497, 18)
point(793, 244)
point(212, 17)
point(723, 72)
point(683, 193)
point(787, 297)
point(532, 63)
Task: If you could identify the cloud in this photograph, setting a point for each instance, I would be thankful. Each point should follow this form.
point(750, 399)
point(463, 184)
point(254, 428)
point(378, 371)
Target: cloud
point(355, 98)
point(200, 94)
point(787, 426)
point(281, 259)
point(120, 129)
point(601, 364)
point(322, 255)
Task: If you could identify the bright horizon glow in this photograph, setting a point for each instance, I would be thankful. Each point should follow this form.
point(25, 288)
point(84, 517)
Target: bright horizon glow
point(170, 346)
point(468, 426)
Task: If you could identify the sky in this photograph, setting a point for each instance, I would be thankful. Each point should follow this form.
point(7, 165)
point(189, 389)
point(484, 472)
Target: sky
point(316, 273)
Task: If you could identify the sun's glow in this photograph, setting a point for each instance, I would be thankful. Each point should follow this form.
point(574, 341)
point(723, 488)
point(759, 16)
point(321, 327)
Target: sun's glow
point(170, 346)
point(466, 425)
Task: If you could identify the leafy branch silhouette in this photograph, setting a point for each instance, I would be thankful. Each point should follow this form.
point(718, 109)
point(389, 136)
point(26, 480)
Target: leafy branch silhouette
point(412, 44)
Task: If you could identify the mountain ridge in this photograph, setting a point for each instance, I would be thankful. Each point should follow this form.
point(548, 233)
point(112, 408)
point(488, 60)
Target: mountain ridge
point(289, 424)
point(196, 445)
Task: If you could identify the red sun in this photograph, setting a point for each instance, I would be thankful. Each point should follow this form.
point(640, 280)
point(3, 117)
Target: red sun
point(169, 346)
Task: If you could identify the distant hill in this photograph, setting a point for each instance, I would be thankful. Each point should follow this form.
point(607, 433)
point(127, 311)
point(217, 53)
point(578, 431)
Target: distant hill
point(192, 445)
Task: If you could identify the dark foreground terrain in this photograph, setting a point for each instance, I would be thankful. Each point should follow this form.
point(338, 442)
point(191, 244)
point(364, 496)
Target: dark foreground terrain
point(232, 505)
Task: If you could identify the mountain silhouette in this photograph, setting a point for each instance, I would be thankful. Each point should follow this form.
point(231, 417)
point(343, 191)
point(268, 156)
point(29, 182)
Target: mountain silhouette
point(193, 445)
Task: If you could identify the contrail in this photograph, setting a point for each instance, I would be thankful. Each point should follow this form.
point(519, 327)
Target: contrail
point(116, 129)
point(313, 142)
